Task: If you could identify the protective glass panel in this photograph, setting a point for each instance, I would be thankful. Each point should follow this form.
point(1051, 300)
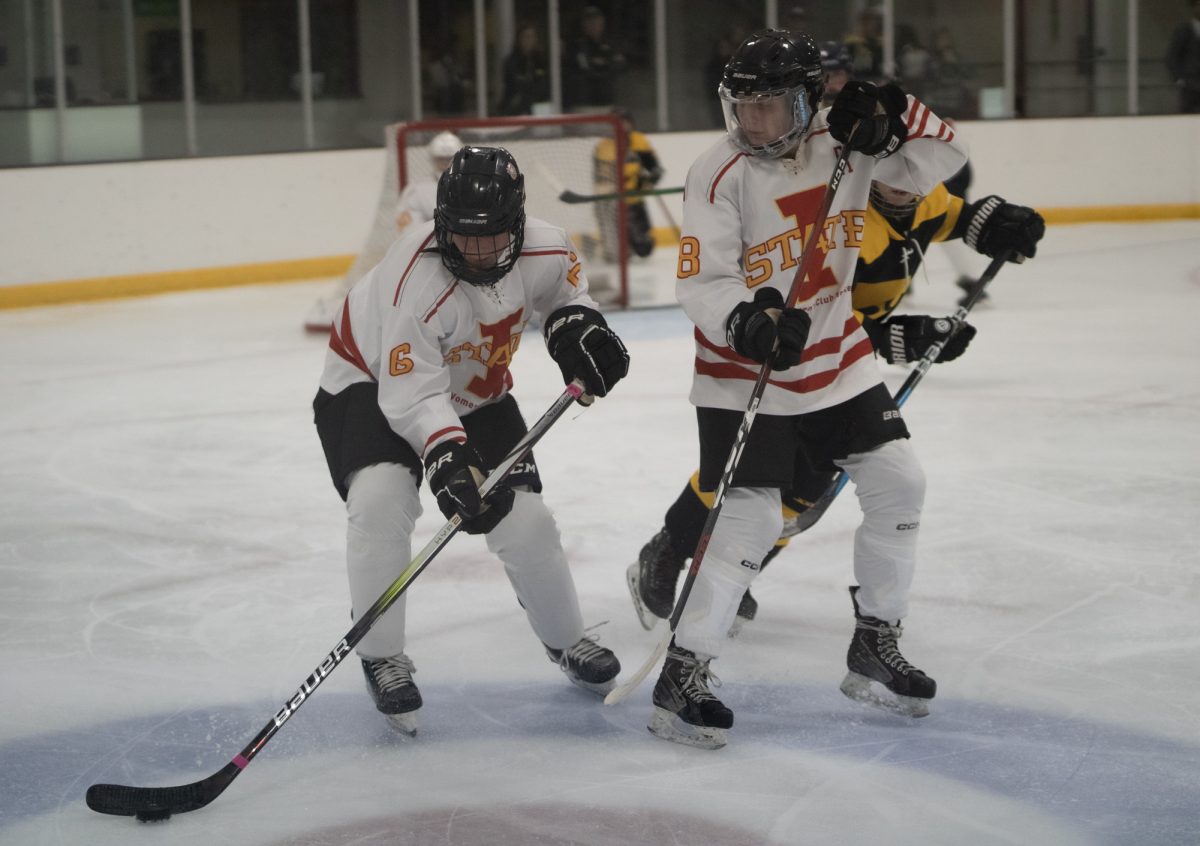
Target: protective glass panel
point(1074, 59)
point(951, 56)
point(1168, 57)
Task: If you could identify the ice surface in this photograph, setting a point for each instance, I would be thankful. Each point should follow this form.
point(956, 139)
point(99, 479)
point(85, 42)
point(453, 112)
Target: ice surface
point(171, 568)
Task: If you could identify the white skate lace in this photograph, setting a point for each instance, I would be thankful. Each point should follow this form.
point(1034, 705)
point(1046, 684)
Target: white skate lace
point(394, 672)
point(889, 651)
point(582, 652)
point(697, 680)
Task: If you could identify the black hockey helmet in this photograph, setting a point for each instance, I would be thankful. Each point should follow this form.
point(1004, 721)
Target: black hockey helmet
point(773, 63)
point(836, 56)
point(482, 193)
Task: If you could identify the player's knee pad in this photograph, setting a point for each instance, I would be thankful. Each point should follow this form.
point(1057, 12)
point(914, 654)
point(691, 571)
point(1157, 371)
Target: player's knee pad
point(888, 481)
point(747, 528)
point(528, 536)
point(383, 502)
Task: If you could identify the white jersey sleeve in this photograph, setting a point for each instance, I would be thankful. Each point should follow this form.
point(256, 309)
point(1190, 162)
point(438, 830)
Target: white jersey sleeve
point(930, 154)
point(437, 347)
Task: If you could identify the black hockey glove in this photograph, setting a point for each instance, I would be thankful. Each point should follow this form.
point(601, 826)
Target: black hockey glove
point(753, 328)
point(877, 111)
point(907, 337)
point(453, 473)
point(997, 226)
point(583, 347)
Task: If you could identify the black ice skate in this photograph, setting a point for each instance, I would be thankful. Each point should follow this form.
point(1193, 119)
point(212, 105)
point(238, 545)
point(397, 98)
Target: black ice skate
point(879, 675)
point(685, 710)
point(391, 685)
point(652, 578)
point(588, 665)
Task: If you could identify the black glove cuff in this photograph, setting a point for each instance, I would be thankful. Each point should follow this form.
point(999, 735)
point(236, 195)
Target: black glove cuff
point(447, 455)
point(893, 99)
point(567, 318)
point(983, 211)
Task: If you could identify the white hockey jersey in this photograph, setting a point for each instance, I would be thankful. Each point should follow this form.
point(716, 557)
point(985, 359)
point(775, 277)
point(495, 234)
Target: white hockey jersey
point(745, 221)
point(439, 347)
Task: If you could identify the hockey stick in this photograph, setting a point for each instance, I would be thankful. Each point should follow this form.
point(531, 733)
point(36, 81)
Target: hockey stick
point(807, 518)
point(569, 196)
point(158, 803)
point(807, 265)
point(662, 206)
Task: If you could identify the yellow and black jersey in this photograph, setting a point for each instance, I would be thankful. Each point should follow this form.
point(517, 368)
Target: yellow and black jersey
point(891, 253)
point(641, 169)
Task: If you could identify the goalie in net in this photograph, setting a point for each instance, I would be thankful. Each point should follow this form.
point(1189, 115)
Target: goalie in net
point(560, 154)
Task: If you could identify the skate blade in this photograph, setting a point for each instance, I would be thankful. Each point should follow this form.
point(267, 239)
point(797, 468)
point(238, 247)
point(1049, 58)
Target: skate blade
point(668, 726)
point(405, 724)
point(601, 689)
point(870, 692)
point(645, 616)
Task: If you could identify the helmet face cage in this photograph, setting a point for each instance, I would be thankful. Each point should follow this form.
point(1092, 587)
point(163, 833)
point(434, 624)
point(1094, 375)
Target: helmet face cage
point(772, 64)
point(481, 195)
point(890, 208)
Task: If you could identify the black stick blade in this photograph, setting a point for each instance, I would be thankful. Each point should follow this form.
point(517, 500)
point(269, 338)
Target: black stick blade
point(150, 803)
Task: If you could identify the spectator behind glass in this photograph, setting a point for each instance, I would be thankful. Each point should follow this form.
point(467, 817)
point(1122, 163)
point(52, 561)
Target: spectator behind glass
point(794, 20)
point(946, 88)
point(447, 82)
point(1183, 61)
point(526, 74)
point(866, 46)
point(590, 67)
point(912, 60)
point(714, 68)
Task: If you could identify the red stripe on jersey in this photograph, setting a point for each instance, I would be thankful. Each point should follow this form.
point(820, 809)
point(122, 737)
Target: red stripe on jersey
point(712, 192)
point(408, 269)
point(825, 346)
point(830, 346)
point(438, 304)
point(913, 111)
point(344, 345)
point(924, 120)
point(808, 384)
point(462, 439)
point(543, 253)
point(724, 352)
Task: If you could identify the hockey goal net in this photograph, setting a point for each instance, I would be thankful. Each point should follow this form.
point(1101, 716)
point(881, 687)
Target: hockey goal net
point(555, 153)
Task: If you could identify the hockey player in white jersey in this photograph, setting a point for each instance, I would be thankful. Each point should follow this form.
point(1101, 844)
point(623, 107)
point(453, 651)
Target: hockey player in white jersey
point(414, 206)
point(748, 203)
point(417, 379)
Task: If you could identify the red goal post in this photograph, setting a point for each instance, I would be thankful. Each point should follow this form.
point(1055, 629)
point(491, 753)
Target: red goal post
point(579, 153)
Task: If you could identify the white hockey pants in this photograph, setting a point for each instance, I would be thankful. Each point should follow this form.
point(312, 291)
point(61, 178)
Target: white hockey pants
point(749, 525)
point(890, 485)
point(383, 505)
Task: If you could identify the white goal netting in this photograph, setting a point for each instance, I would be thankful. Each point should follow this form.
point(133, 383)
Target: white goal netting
point(554, 153)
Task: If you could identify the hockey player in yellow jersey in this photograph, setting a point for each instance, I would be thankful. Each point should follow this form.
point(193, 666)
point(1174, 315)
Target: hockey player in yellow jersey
point(640, 171)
